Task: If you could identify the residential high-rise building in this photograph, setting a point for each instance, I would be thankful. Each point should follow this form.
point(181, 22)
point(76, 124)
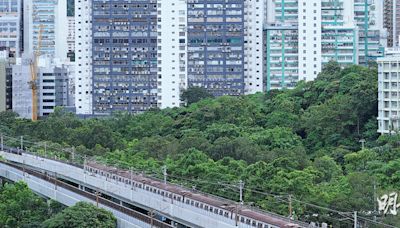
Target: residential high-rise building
point(39, 16)
point(346, 31)
point(83, 57)
point(282, 56)
point(216, 46)
point(389, 92)
point(392, 21)
point(136, 56)
point(71, 30)
point(310, 30)
point(172, 52)
point(124, 56)
point(10, 27)
point(48, 19)
point(5, 82)
point(254, 19)
point(339, 33)
point(368, 15)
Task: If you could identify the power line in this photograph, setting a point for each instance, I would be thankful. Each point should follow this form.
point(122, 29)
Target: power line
point(278, 197)
point(376, 222)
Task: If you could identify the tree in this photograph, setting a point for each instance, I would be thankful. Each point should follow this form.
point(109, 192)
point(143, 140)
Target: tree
point(302, 141)
point(330, 124)
point(195, 94)
point(328, 168)
point(20, 207)
point(358, 162)
point(83, 215)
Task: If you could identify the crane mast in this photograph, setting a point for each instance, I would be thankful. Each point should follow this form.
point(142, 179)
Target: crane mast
point(34, 69)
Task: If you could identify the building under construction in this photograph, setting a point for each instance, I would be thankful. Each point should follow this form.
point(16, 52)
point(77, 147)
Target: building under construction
point(52, 87)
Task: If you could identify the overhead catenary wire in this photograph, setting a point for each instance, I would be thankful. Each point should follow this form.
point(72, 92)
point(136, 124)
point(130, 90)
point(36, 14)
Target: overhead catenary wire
point(154, 172)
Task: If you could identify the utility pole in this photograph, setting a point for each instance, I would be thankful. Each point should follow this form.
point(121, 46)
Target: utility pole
point(290, 207)
point(241, 185)
point(55, 181)
point(84, 168)
point(23, 168)
point(2, 141)
point(97, 199)
point(165, 174)
point(131, 177)
point(22, 143)
point(355, 219)
point(73, 155)
point(375, 201)
point(237, 215)
point(362, 141)
point(151, 213)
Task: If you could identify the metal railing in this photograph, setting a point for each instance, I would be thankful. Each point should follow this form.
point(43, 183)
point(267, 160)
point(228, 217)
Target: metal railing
point(95, 197)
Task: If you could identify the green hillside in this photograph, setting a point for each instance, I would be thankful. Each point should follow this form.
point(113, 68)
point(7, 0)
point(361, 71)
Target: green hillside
point(302, 143)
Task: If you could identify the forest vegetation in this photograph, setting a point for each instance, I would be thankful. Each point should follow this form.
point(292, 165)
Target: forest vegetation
point(302, 143)
point(21, 208)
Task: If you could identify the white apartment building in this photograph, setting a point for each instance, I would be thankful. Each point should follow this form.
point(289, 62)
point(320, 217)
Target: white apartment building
point(389, 92)
point(172, 52)
point(50, 18)
point(254, 18)
point(309, 30)
point(83, 57)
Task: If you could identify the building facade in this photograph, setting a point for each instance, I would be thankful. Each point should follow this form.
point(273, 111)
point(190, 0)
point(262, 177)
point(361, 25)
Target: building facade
point(3, 86)
point(389, 92)
point(124, 56)
point(71, 30)
point(172, 52)
point(52, 84)
point(368, 15)
point(46, 19)
point(349, 32)
point(53, 89)
point(392, 22)
point(39, 15)
point(254, 19)
point(10, 27)
point(145, 54)
point(216, 46)
point(5, 81)
point(339, 33)
point(282, 59)
point(83, 57)
point(310, 29)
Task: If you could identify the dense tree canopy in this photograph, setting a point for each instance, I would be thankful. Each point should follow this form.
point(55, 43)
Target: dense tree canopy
point(83, 215)
point(21, 208)
point(303, 142)
point(195, 94)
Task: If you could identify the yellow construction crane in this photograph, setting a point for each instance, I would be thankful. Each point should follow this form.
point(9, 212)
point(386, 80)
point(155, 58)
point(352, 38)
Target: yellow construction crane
point(34, 67)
